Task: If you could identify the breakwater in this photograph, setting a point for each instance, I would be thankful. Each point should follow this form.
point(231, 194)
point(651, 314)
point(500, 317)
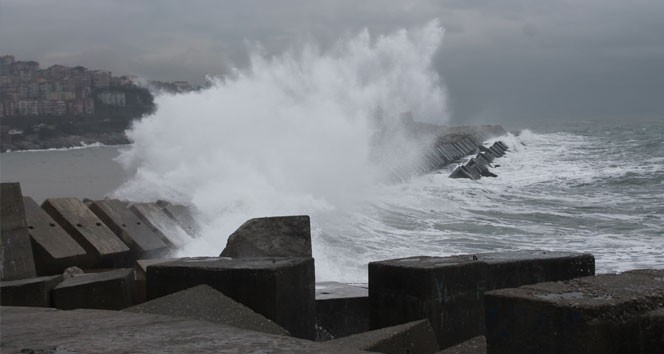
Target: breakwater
point(446, 307)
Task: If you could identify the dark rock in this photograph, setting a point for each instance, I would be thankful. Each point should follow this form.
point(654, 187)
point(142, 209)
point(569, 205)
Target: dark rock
point(17, 261)
point(282, 236)
point(143, 241)
point(72, 272)
point(587, 315)
point(35, 292)
point(475, 345)
point(97, 331)
point(204, 303)
point(101, 245)
point(449, 290)
point(413, 337)
point(281, 289)
point(341, 310)
point(651, 331)
point(158, 221)
point(54, 250)
point(111, 290)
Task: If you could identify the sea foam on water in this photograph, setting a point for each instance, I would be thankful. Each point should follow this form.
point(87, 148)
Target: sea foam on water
point(290, 134)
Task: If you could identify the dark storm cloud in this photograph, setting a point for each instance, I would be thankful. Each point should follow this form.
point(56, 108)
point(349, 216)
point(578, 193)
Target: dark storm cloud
point(501, 60)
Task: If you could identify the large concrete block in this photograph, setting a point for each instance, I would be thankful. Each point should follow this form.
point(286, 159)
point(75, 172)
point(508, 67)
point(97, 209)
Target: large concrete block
point(475, 345)
point(140, 274)
point(153, 215)
point(341, 310)
point(281, 236)
point(413, 337)
point(99, 242)
point(110, 290)
point(651, 331)
point(39, 330)
point(184, 217)
point(54, 250)
point(202, 302)
point(35, 292)
point(143, 240)
point(585, 315)
point(449, 290)
point(16, 256)
point(281, 289)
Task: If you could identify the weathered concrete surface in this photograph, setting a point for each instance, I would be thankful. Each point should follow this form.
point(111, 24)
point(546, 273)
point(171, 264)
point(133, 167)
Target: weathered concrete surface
point(412, 337)
point(16, 258)
point(98, 331)
point(143, 241)
point(449, 290)
point(651, 331)
point(111, 290)
point(140, 275)
point(28, 292)
point(183, 216)
point(475, 345)
point(152, 215)
point(202, 302)
point(585, 315)
point(341, 310)
point(281, 289)
point(281, 236)
point(54, 250)
point(99, 242)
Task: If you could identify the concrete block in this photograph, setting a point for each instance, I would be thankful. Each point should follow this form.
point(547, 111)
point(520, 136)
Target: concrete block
point(449, 290)
point(53, 249)
point(16, 256)
point(35, 292)
point(101, 245)
point(341, 310)
point(110, 290)
point(204, 303)
point(586, 315)
point(39, 330)
point(651, 331)
point(475, 345)
point(140, 274)
point(281, 289)
point(143, 241)
point(412, 337)
point(281, 236)
point(184, 217)
point(154, 216)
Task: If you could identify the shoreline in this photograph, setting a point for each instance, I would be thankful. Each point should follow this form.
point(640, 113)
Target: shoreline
point(67, 142)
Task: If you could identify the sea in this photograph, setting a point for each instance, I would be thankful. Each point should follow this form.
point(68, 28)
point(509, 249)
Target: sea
point(316, 131)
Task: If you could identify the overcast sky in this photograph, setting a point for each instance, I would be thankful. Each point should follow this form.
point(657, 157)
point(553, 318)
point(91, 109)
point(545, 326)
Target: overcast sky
point(501, 60)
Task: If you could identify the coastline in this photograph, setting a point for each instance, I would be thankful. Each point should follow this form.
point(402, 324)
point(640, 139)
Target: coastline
point(67, 142)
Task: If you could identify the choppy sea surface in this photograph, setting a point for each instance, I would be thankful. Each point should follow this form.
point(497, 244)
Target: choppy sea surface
point(592, 186)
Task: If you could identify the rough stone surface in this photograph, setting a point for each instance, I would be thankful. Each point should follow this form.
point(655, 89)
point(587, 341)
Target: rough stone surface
point(281, 236)
point(341, 310)
point(35, 330)
point(413, 337)
point(143, 241)
point(103, 248)
point(449, 290)
point(155, 217)
point(111, 290)
point(54, 250)
point(28, 292)
point(475, 345)
point(281, 289)
point(204, 303)
point(586, 315)
point(16, 256)
point(651, 331)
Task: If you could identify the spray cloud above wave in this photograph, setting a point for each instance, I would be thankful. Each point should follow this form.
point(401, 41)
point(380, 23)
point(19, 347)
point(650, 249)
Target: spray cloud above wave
point(290, 134)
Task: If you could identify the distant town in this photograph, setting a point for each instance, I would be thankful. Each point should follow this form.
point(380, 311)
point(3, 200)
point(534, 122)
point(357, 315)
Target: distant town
point(56, 106)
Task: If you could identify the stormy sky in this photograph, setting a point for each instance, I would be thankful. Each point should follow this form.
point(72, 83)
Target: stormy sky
point(501, 60)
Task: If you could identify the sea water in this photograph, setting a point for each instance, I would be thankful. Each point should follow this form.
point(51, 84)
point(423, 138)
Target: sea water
point(317, 131)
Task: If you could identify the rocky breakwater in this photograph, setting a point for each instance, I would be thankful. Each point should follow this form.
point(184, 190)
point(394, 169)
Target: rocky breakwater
point(104, 283)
